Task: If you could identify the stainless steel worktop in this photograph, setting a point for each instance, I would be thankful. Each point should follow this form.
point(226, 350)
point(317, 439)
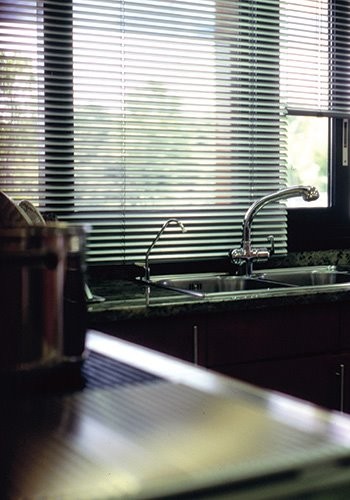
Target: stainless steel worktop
point(174, 431)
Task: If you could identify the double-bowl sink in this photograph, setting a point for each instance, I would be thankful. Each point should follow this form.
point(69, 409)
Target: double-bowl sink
point(268, 279)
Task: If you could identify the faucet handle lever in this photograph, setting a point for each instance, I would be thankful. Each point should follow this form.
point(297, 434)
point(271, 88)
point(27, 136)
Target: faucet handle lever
point(271, 240)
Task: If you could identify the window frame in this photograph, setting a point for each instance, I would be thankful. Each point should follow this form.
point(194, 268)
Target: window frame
point(332, 223)
point(58, 96)
point(329, 227)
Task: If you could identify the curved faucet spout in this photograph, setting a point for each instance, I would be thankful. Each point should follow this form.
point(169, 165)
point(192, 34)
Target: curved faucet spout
point(159, 234)
point(246, 252)
point(308, 193)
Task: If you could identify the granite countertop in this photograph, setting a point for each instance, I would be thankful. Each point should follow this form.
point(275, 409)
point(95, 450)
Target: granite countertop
point(126, 299)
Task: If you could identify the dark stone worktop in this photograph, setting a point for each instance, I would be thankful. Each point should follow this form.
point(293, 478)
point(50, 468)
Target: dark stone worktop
point(125, 299)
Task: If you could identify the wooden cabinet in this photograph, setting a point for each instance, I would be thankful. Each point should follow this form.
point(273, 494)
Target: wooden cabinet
point(270, 333)
point(302, 350)
point(344, 312)
point(181, 337)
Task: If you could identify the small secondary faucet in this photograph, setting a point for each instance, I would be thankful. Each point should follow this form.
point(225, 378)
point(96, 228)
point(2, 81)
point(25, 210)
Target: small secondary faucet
point(246, 252)
point(146, 279)
point(159, 234)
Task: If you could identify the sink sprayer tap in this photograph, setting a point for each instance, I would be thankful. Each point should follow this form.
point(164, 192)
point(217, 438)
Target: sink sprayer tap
point(246, 252)
point(152, 245)
point(147, 275)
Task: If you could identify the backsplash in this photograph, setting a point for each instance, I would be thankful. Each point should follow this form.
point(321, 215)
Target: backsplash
point(310, 258)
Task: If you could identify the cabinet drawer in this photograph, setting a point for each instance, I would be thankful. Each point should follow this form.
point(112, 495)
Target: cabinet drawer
point(275, 332)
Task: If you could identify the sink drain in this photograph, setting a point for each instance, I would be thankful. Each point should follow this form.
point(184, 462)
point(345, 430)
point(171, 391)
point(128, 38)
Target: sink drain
point(195, 286)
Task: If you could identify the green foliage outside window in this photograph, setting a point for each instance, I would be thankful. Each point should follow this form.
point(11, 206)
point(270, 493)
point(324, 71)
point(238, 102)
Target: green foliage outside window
point(308, 153)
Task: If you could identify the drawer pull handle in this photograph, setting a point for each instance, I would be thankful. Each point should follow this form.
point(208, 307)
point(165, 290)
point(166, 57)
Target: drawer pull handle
point(195, 344)
point(341, 373)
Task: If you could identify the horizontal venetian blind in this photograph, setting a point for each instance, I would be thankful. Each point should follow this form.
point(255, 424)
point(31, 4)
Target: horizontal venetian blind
point(176, 115)
point(22, 138)
point(315, 64)
point(124, 114)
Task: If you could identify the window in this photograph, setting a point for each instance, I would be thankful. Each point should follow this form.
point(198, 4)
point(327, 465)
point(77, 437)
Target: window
point(21, 95)
point(323, 96)
point(308, 158)
point(126, 113)
point(306, 63)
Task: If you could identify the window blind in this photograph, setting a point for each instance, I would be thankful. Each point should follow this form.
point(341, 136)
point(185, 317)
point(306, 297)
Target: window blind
point(315, 41)
point(124, 114)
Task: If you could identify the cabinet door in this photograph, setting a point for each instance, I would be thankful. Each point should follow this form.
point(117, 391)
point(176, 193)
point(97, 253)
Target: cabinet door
point(272, 333)
point(345, 325)
point(317, 379)
point(182, 337)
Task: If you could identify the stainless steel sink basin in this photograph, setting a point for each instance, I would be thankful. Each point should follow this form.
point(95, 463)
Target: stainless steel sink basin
point(219, 283)
point(268, 279)
point(306, 276)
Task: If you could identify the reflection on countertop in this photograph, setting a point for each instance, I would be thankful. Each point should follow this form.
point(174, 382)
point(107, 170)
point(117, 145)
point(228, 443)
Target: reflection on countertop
point(162, 428)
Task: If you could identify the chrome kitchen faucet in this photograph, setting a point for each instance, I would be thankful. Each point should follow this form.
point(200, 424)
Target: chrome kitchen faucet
point(152, 245)
point(246, 252)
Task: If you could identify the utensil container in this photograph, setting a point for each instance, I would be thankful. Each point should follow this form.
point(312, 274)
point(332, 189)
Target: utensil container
point(42, 306)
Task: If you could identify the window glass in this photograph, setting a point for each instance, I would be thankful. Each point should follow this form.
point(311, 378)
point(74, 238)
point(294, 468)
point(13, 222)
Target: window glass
point(21, 88)
point(308, 157)
point(306, 62)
